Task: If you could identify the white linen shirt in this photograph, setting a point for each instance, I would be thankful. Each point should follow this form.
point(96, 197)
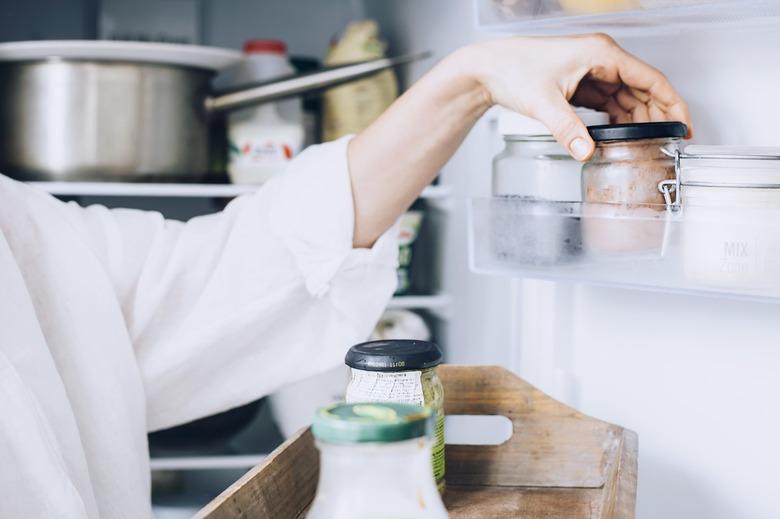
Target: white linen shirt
point(118, 322)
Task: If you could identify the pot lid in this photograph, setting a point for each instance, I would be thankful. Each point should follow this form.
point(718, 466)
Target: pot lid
point(637, 131)
point(195, 56)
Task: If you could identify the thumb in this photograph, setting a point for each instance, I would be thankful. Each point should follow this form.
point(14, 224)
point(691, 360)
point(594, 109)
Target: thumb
point(567, 128)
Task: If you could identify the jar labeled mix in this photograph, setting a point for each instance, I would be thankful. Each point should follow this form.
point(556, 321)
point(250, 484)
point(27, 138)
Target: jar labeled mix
point(402, 371)
point(375, 462)
point(731, 203)
point(629, 163)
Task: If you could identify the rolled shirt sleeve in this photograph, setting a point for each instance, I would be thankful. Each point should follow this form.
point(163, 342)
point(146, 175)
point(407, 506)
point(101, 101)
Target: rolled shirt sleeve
point(227, 308)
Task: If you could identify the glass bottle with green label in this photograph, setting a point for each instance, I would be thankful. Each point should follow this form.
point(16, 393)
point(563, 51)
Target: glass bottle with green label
point(401, 371)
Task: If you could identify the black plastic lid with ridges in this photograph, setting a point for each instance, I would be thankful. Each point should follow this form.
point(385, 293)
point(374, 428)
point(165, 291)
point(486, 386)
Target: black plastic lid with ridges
point(637, 131)
point(395, 355)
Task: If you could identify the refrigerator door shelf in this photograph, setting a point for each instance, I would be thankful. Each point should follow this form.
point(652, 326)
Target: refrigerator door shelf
point(725, 251)
point(617, 16)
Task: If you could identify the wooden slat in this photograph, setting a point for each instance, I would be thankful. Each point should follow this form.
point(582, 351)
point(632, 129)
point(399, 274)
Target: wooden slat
point(569, 449)
point(626, 480)
point(507, 502)
point(281, 487)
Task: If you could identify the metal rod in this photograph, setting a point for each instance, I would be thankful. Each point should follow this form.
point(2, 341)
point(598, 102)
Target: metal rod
point(307, 83)
point(690, 156)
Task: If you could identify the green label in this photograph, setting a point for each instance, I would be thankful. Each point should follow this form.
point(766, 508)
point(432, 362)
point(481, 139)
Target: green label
point(438, 451)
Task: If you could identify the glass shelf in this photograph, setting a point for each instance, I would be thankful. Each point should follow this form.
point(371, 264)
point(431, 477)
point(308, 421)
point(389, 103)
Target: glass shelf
point(136, 189)
point(719, 251)
point(618, 16)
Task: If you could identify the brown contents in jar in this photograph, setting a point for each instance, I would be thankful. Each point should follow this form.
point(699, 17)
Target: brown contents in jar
point(627, 172)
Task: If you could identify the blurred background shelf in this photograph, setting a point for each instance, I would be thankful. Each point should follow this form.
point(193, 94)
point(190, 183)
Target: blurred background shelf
point(619, 16)
point(133, 189)
point(415, 302)
point(437, 305)
point(243, 461)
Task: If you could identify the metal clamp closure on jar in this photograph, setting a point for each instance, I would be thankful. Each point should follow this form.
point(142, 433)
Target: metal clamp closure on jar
point(673, 186)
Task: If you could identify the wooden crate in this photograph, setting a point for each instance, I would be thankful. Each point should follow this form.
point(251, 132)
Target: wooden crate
point(558, 463)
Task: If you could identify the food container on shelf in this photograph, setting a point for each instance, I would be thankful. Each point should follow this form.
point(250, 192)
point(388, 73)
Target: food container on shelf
point(410, 224)
point(597, 6)
point(402, 371)
point(533, 166)
point(532, 163)
point(630, 162)
point(730, 198)
point(262, 140)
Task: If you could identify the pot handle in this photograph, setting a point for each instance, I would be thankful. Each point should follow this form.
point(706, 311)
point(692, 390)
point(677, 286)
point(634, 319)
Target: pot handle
point(296, 85)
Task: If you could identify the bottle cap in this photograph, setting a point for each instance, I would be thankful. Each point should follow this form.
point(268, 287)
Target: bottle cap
point(372, 422)
point(393, 355)
point(638, 131)
point(265, 47)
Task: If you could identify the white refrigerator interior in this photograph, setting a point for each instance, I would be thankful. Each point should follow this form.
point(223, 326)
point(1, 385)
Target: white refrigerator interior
point(696, 377)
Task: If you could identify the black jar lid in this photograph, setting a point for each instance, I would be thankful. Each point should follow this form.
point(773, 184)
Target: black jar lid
point(637, 131)
point(395, 355)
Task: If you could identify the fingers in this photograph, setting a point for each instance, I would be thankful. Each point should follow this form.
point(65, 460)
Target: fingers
point(556, 113)
point(592, 95)
point(643, 84)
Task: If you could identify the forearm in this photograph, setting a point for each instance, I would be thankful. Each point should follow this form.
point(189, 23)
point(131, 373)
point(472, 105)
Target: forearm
point(393, 160)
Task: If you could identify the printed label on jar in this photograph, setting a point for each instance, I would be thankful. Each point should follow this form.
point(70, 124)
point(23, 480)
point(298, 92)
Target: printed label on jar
point(404, 387)
point(374, 386)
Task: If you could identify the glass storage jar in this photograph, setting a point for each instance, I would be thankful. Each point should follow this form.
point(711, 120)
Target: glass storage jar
point(532, 163)
point(731, 208)
point(402, 371)
point(629, 162)
point(375, 462)
point(533, 173)
point(627, 166)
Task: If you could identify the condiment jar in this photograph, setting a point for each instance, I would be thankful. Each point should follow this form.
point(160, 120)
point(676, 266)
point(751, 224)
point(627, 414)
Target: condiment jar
point(731, 216)
point(627, 166)
point(375, 462)
point(402, 371)
point(534, 173)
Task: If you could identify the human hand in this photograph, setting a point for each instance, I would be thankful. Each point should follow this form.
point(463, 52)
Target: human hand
point(540, 77)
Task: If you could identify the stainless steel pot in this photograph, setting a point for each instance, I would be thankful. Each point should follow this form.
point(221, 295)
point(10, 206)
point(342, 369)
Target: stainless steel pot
point(77, 119)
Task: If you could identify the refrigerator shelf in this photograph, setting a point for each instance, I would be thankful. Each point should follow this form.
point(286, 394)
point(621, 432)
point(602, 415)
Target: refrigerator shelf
point(181, 190)
point(728, 252)
point(619, 16)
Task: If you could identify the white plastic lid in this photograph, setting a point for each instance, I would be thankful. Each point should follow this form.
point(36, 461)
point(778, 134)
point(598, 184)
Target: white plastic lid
point(730, 166)
point(513, 123)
